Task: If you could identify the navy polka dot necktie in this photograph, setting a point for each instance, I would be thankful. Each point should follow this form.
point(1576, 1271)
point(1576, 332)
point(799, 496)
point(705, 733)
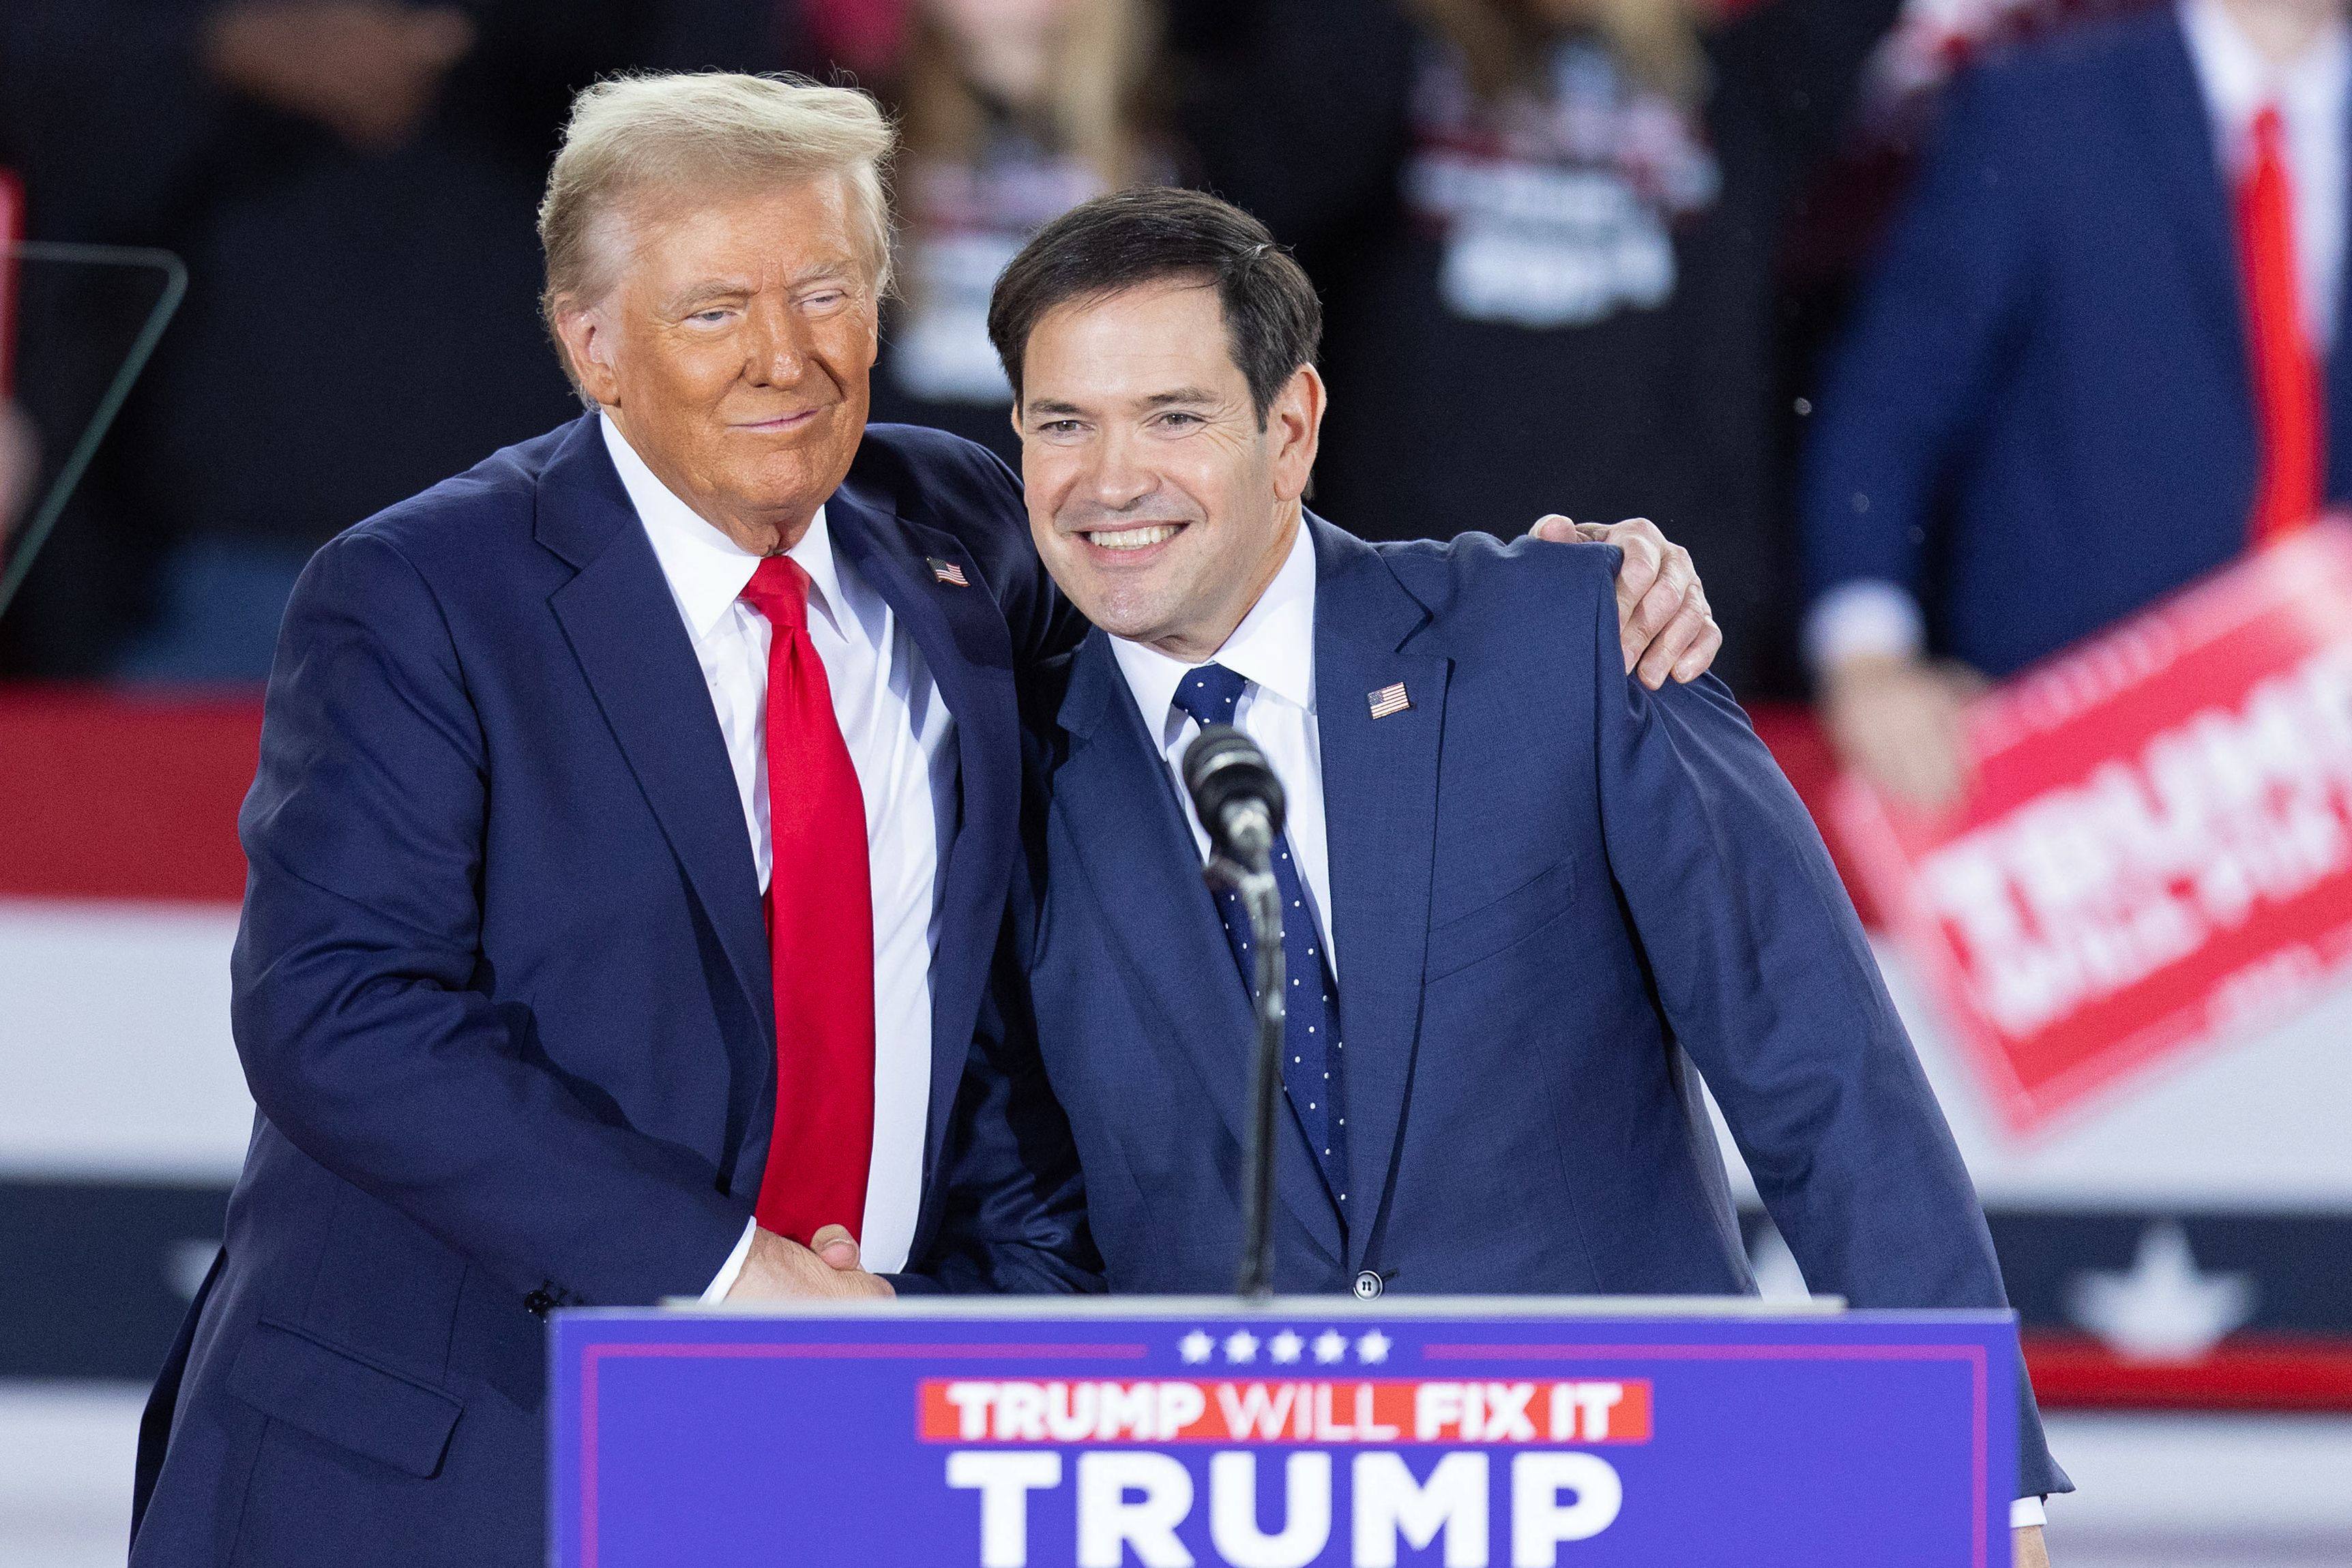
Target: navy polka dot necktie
point(1312, 1050)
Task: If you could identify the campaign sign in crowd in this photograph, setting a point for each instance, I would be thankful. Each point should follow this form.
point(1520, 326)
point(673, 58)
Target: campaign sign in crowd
point(2157, 852)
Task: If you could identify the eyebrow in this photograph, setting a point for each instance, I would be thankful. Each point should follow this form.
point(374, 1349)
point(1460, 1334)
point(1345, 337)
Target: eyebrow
point(1191, 396)
point(687, 300)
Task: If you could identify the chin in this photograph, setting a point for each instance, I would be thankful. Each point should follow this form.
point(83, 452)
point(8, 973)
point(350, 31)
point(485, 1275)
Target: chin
point(802, 471)
point(1121, 616)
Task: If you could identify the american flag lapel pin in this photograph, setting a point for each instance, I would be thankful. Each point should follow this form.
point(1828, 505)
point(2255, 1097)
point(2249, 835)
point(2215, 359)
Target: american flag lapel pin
point(1389, 700)
point(947, 571)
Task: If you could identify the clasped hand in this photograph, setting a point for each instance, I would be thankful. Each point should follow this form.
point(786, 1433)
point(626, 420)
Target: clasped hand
point(779, 1269)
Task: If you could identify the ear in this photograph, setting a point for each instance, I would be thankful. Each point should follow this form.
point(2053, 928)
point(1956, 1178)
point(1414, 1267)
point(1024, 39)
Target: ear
point(870, 309)
point(588, 344)
point(1294, 423)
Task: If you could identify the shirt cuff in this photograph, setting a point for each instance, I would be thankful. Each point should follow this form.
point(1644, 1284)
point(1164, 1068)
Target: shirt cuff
point(734, 1264)
point(1863, 617)
point(2026, 1513)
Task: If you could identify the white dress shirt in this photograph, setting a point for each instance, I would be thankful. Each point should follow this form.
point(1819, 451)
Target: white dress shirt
point(898, 732)
point(1274, 650)
point(2237, 80)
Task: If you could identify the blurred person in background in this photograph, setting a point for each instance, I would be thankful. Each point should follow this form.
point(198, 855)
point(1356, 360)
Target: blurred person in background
point(2094, 364)
point(1550, 232)
point(1013, 112)
point(351, 183)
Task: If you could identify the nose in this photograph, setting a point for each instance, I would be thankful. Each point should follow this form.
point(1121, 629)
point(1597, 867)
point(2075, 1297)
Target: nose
point(776, 347)
point(1119, 477)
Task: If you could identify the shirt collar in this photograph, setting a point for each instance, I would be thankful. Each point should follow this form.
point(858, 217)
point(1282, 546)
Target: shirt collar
point(706, 570)
point(2239, 79)
point(1272, 648)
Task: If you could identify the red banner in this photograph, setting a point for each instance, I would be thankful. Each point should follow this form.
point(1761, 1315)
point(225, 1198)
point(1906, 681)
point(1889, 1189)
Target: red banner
point(2156, 851)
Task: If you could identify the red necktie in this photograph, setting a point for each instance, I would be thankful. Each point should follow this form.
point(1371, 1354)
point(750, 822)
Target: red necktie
point(820, 933)
point(2289, 421)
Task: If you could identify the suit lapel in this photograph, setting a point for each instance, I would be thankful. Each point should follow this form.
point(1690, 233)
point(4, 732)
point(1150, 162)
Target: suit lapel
point(1143, 868)
point(1379, 804)
point(2186, 172)
point(964, 642)
point(625, 629)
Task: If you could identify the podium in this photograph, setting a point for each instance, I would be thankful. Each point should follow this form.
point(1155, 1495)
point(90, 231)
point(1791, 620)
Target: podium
point(1020, 1432)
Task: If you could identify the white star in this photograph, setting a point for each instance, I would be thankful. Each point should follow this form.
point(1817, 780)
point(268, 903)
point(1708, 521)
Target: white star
point(1241, 1345)
point(1331, 1345)
point(1287, 1345)
point(1373, 1346)
point(2164, 1308)
point(1197, 1346)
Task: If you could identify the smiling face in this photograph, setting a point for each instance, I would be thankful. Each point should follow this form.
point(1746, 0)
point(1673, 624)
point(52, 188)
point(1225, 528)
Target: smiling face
point(734, 351)
point(1159, 503)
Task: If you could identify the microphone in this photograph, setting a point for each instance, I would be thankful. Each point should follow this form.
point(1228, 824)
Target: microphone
point(1235, 789)
point(1240, 802)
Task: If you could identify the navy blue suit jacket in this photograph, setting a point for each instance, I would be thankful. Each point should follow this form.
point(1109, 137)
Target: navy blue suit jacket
point(503, 995)
point(2042, 419)
point(1555, 894)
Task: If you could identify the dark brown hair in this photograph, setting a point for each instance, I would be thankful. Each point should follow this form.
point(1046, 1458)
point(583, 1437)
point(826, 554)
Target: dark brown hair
point(1273, 322)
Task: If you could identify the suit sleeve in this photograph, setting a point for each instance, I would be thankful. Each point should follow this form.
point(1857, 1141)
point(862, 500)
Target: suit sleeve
point(359, 1013)
point(1940, 314)
point(1768, 983)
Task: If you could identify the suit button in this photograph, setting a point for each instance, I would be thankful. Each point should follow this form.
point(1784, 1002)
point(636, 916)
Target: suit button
point(539, 1303)
point(1368, 1286)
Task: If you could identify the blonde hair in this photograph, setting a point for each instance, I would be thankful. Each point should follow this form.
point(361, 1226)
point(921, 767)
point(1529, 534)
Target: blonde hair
point(638, 135)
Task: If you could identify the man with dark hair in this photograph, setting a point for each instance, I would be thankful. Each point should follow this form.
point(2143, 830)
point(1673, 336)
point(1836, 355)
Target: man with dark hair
point(1529, 901)
point(1274, 322)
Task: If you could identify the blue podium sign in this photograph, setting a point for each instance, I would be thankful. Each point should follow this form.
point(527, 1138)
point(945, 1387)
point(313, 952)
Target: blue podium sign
point(1170, 1433)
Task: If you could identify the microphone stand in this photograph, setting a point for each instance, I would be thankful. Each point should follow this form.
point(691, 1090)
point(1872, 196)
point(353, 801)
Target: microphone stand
point(1261, 899)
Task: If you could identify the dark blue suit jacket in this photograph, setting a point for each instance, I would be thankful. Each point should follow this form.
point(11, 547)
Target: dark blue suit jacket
point(1555, 894)
point(503, 995)
point(2043, 419)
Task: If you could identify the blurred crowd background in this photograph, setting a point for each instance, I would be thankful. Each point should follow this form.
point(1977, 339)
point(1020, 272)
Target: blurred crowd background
point(1739, 266)
point(1943, 332)
point(1586, 256)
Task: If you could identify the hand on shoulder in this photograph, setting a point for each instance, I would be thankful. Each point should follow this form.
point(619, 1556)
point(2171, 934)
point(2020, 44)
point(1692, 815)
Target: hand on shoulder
point(1663, 616)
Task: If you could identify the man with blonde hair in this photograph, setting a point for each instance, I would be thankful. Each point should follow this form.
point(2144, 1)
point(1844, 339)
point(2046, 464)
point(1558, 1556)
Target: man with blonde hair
point(634, 830)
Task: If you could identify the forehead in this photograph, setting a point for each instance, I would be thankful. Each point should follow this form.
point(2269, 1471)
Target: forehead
point(784, 228)
point(1135, 343)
